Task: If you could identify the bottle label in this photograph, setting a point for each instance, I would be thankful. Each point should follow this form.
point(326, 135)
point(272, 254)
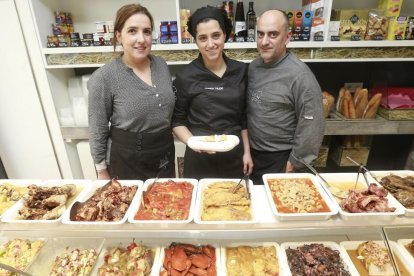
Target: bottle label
point(251, 35)
point(239, 26)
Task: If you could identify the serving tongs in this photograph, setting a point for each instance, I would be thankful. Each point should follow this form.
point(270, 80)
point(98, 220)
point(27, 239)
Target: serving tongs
point(162, 167)
point(14, 270)
point(334, 191)
point(361, 169)
point(238, 186)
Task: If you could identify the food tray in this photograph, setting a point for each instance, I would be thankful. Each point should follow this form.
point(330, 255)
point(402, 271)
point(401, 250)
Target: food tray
point(160, 268)
point(82, 187)
point(134, 208)
point(203, 184)
point(124, 242)
point(352, 245)
point(408, 259)
point(332, 245)
point(200, 143)
point(98, 184)
point(18, 183)
point(300, 216)
point(409, 212)
point(379, 216)
point(223, 254)
point(57, 246)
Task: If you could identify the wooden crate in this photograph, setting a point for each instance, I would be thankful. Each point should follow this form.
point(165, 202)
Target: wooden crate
point(340, 152)
point(397, 114)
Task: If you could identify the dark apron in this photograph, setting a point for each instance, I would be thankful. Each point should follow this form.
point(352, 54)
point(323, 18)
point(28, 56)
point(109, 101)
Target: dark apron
point(139, 155)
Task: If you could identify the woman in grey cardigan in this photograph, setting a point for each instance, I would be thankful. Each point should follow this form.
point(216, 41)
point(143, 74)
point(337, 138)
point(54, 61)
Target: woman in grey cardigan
point(131, 102)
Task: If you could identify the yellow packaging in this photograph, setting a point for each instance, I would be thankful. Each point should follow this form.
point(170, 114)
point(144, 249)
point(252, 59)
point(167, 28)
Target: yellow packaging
point(185, 35)
point(353, 23)
point(396, 28)
point(390, 7)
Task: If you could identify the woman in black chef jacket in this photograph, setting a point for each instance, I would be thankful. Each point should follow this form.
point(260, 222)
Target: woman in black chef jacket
point(211, 93)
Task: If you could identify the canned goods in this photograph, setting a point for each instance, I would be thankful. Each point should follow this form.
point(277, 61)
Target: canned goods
point(173, 27)
point(164, 30)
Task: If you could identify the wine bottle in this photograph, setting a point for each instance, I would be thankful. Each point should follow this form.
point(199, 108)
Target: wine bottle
point(228, 7)
point(251, 24)
point(240, 23)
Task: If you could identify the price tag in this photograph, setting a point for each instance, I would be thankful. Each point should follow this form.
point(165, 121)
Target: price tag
point(186, 40)
point(335, 38)
point(318, 38)
point(377, 37)
point(355, 38)
point(398, 37)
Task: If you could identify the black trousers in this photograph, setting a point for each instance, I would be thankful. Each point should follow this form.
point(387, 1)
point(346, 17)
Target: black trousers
point(139, 155)
point(268, 162)
point(218, 165)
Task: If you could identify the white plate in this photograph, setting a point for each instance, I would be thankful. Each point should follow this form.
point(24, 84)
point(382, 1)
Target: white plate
point(348, 265)
point(402, 173)
point(18, 183)
point(408, 259)
point(353, 245)
point(203, 184)
point(299, 216)
point(134, 208)
point(124, 243)
point(223, 254)
point(98, 184)
point(57, 246)
point(199, 143)
point(12, 214)
point(381, 216)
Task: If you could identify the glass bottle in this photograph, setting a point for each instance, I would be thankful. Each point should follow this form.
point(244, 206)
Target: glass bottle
point(228, 7)
point(240, 23)
point(251, 24)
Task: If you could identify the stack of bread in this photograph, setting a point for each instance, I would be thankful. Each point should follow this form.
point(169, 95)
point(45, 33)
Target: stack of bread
point(328, 103)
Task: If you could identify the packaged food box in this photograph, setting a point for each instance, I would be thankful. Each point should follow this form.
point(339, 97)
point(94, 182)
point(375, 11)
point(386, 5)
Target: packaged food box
point(185, 35)
point(317, 6)
point(353, 24)
point(290, 19)
point(397, 28)
point(306, 25)
point(377, 25)
point(390, 7)
point(409, 30)
point(297, 25)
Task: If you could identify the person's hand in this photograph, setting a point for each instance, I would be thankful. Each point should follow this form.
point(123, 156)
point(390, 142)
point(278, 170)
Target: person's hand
point(289, 167)
point(103, 175)
point(247, 163)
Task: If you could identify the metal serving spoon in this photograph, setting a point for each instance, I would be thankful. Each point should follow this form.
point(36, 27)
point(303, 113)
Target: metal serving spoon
point(246, 181)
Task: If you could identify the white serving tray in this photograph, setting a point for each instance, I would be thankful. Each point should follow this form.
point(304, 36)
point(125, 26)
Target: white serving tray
point(223, 254)
point(134, 208)
point(332, 245)
point(402, 173)
point(125, 242)
point(300, 216)
point(377, 216)
point(98, 184)
point(408, 259)
point(199, 143)
point(352, 245)
point(11, 216)
point(203, 184)
point(338, 179)
point(18, 183)
point(57, 246)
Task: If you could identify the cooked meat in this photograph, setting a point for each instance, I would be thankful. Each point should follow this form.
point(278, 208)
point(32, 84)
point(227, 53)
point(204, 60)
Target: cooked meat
point(402, 188)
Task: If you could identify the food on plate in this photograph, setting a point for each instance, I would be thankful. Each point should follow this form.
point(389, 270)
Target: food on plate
point(136, 259)
point(375, 258)
point(342, 188)
point(402, 188)
point(46, 203)
point(216, 138)
point(9, 195)
point(77, 262)
point(373, 199)
point(166, 201)
point(248, 260)
point(296, 195)
point(220, 203)
point(187, 259)
point(109, 203)
point(315, 259)
point(410, 247)
point(18, 253)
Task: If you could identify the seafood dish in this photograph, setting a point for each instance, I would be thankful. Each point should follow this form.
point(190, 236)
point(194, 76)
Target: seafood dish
point(221, 204)
point(76, 262)
point(187, 259)
point(108, 203)
point(239, 260)
point(315, 259)
point(19, 253)
point(375, 258)
point(46, 203)
point(135, 259)
point(402, 188)
point(9, 195)
point(373, 199)
point(168, 200)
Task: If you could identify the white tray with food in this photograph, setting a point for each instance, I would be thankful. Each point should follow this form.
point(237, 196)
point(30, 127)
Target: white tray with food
point(366, 202)
point(400, 184)
point(128, 256)
point(168, 201)
point(105, 203)
point(48, 202)
point(12, 190)
point(205, 259)
point(298, 196)
point(217, 204)
point(67, 256)
point(238, 258)
point(323, 252)
point(217, 143)
point(407, 249)
point(372, 257)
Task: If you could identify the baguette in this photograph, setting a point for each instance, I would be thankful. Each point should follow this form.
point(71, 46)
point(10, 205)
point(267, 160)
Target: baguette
point(372, 106)
point(328, 102)
point(345, 107)
point(351, 109)
point(340, 98)
point(357, 95)
point(362, 102)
